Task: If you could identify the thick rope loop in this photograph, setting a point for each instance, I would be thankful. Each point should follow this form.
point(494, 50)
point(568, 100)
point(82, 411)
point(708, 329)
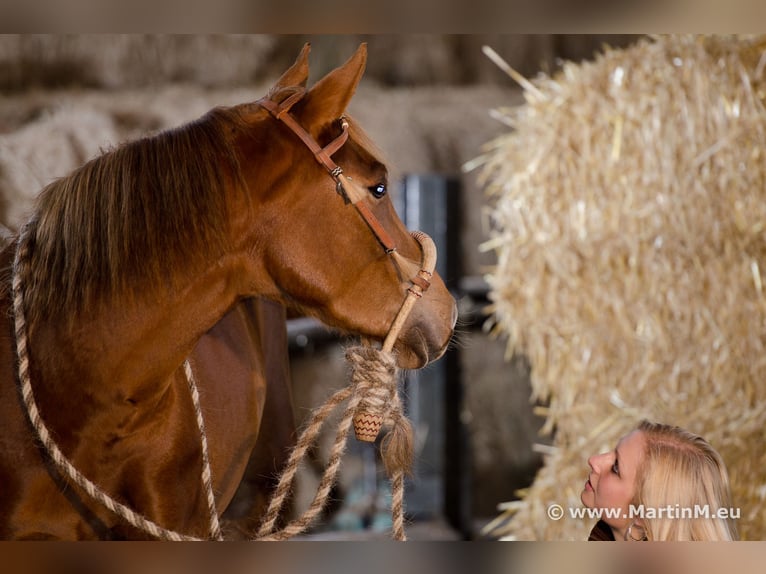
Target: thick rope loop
point(207, 475)
point(59, 458)
point(373, 386)
point(373, 389)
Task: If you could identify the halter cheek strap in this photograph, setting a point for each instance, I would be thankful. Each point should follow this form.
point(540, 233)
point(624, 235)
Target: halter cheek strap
point(321, 154)
point(350, 190)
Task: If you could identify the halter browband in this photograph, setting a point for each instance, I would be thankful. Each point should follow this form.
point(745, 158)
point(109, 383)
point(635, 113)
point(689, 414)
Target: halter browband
point(350, 191)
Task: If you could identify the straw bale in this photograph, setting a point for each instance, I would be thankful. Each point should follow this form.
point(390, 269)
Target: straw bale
point(628, 211)
point(119, 61)
point(51, 146)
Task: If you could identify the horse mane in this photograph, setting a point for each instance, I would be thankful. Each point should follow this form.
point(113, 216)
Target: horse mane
point(126, 221)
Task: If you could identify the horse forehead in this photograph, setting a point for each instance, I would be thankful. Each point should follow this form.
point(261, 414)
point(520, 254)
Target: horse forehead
point(364, 143)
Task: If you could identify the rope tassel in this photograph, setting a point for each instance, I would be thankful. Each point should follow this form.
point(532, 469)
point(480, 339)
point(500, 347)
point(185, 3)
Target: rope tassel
point(373, 389)
point(374, 374)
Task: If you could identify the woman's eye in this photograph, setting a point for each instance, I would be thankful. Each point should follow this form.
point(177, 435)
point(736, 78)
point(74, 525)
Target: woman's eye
point(616, 468)
point(378, 190)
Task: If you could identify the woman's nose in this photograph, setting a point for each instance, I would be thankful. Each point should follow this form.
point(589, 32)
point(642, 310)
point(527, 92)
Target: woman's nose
point(596, 461)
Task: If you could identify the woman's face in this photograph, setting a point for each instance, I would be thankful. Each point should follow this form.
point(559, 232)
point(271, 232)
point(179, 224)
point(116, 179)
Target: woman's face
point(611, 484)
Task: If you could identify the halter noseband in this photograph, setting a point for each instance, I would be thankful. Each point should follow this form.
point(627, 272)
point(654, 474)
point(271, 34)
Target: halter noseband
point(350, 190)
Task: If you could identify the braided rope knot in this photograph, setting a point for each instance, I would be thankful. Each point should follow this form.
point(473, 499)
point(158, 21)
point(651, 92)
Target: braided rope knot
point(374, 377)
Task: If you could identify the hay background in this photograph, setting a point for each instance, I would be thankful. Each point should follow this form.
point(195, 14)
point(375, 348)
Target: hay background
point(628, 212)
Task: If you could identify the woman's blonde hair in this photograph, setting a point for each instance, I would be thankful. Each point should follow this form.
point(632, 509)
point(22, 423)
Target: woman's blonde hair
point(684, 475)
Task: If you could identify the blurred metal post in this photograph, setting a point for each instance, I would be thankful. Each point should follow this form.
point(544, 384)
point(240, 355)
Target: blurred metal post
point(441, 484)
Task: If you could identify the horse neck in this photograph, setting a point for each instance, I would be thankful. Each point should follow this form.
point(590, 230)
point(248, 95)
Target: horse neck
point(122, 297)
point(131, 348)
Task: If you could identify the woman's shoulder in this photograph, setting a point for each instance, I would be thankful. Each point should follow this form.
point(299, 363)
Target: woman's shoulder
point(601, 532)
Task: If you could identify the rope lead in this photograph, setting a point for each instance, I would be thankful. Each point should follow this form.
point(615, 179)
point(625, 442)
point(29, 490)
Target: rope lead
point(372, 397)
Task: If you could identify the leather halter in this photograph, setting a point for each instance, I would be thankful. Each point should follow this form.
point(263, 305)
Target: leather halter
point(351, 191)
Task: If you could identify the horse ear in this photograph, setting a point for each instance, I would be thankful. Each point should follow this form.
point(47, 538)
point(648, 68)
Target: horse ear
point(298, 73)
point(328, 98)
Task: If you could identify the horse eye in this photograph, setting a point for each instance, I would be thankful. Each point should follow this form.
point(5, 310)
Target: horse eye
point(378, 190)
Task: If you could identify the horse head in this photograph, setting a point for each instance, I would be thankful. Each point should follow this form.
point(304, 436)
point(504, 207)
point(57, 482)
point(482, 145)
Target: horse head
point(322, 245)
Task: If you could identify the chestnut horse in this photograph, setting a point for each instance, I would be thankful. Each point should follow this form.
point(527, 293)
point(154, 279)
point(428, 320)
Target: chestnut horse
point(132, 262)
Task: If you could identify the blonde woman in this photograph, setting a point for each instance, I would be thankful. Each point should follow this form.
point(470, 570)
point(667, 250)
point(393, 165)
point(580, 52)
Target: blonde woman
point(660, 483)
